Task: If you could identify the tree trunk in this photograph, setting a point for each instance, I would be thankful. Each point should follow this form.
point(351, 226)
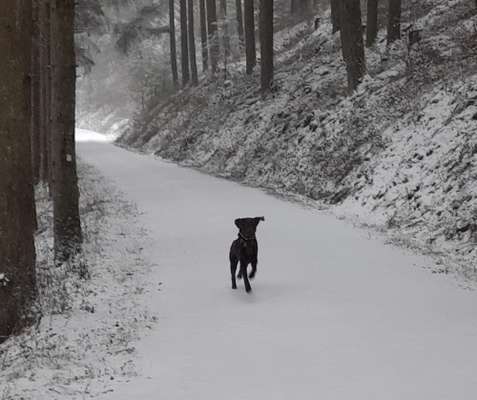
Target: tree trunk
point(225, 29)
point(45, 88)
point(193, 62)
point(238, 6)
point(17, 251)
point(301, 8)
point(172, 42)
point(394, 21)
point(352, 41)
point(372, 23)
point(250, 51)
point(67, 227)
point(203, 36)
point(184, 44)
point(213, 37)
point(335, 15)
point(36, 93)
point(266, 44)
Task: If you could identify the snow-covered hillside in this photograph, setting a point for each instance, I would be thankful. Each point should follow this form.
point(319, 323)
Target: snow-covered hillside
point(400, 154)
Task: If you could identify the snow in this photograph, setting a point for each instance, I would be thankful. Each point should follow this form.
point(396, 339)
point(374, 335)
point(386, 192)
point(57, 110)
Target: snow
point(334, 314)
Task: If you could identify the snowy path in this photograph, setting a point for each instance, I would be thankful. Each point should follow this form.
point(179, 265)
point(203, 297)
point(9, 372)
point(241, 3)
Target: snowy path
point(333, 314)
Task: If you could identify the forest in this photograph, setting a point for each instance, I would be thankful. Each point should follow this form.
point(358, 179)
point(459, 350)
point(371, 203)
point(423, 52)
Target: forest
point(133, 133)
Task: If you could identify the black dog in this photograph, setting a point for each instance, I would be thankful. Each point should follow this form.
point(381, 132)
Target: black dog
point(245, 251)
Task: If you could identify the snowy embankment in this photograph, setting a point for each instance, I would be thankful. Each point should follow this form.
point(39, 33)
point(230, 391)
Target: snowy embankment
point(90, 311)
point(399, 155)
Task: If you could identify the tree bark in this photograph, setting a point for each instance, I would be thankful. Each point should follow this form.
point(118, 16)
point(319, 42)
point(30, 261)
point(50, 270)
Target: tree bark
point(300, 7)
point(36, 93)
point(240, 32)
point(225, 29)
point(184, 43)
point(67, 227)
point(213, 37)
point(172, 42)
point(17, 251)
point(352, 41)
point(203, 36)
point(394, 21)
point(250, 48)
point(266, 44)
point(45, 88)
point(335, 14)
point(193, 62)
point(372, 22)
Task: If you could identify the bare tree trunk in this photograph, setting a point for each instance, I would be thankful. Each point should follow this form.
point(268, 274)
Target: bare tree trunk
point(266, 44)
point(238, 6)
point(352, 41)
point(394, 21)
point(225, 29)
point(250, 48)
point(193, 62)
point(67, 227)
point(44, 10)
point(203, 36)
point(372, 23)
point(184, 44)
point(17, 251)
point(213, 37)
point(172, 42)
point(36, 93)
point(335, 15)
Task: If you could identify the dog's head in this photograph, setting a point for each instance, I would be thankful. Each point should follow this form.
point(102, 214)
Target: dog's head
point(248, 226)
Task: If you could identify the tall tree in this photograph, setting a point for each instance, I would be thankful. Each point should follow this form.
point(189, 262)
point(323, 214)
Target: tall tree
point(203, 35)
point(213, 37)
point(335, 14)
point(17, 251)
point(225, 28)
point(238, 6)
point(172, 42)
point(371, 22)
point(250, 48)
point(266, 44)
point(193, 62)
point(36, 92)
point(184, 43)
point(67, 226)
point(352, 41)
point(394, 21)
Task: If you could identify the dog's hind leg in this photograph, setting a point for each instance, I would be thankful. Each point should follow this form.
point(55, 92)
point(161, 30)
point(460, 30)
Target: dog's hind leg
point(254, 269)
point(243, 272)
point(233, 269)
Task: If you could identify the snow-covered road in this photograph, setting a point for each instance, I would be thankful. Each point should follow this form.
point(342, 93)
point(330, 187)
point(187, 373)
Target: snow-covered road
point(333, 314)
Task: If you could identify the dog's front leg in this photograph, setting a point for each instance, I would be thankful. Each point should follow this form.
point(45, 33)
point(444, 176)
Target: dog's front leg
point(233, 269)
point(243, 272)
point(254, 269)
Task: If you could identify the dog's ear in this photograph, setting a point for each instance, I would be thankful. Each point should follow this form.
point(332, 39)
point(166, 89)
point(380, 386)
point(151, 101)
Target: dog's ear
point(258, 219)
point(239, 223)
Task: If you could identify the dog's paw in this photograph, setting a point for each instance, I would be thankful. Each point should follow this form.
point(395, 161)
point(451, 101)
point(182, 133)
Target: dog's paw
point(251, 275)
point(248, 289)
point(239, 276)
point(234, 286)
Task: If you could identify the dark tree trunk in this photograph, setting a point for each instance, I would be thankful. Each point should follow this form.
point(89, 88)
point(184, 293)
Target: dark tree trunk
point(203, 35)
point(184, 44)
point(300, 7)
point(173, 50)
point(213, 37)
point(36, 93)
point(335, 15)
point(250, 49)
point(238, 6)
point(372, 22)
point(45, 88)
point(352, 41)
point(266, 44)
point(193, 62)
point(67, 226)
point(394, 21)
point(17, 251)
